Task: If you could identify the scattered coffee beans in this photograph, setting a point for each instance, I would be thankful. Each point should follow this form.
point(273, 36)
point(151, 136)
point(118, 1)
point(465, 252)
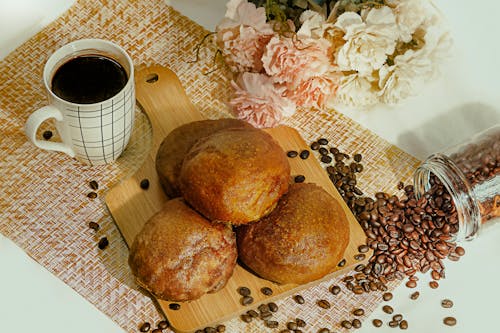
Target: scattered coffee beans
point(323, 303)
point(299, 299)
point(271, 323)
point(93, 185)
point(335, 289)
point(253, 313)
point(221, 328)
point(94, 226)
point(292, 153)
point(163, 324)
point(433, 284)
point(387, 296)
point(246, 300)
point(244, 291)
point(358, 312)
point(246, 318)
point(300, 322)
point(356, 323)
point(324, 330)
point(387, 309)
point(47, 135)
point(145, 327)
point(144, 184)
point(415, 295)
point(403, 324)
point(174, 306)
point(299, 178)
point(346, 324)
point(377, 322)
point(266, 291)
point(103, 243)
point(342, 263)
point(450, 321)
point(304, 154)
point(92, 195)
point(447, 303)
point(273, 307)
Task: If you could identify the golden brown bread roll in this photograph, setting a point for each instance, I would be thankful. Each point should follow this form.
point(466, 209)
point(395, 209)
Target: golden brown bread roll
point(178, 142)
point(302, 240)
point(180, 256)
point(235, 175)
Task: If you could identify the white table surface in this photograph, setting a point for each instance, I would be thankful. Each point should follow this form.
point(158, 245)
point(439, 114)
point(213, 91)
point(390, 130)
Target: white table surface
point(465, 100)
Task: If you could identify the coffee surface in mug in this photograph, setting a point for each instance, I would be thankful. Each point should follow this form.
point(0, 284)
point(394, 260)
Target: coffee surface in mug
point(89, 79)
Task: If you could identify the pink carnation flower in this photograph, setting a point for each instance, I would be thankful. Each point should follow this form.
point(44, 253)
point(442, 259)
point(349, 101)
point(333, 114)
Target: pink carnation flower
point(242, 36)
point(259, 101)
point(315, 92)
point(292, 61)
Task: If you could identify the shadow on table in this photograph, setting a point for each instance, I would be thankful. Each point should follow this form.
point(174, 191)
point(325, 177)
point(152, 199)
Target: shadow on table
point(449, 129)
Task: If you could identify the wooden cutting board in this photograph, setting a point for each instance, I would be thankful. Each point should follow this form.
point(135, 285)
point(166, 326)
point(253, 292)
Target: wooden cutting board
point(162, 97)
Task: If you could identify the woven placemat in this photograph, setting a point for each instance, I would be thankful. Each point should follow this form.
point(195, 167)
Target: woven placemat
point(44, 206)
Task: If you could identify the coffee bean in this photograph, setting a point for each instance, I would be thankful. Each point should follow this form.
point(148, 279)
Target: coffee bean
point(93, 185)
point(265, 315)
point(335, 289)
point(326, 159)
point(360, 256)
point(299, 299)
point(272, 323)
point(300, 322)
point(460, 251)
point(246, 318)
point(358, 312)
point(103, 243)
point(346, 324)
point(356, 323)
point(210, 330)
point(144, 184)
point(323, 151)
point(447, 303)
point(244, 291)
point(411, 284)
point(403, 324)
point(324, 330)
point(174, 306)
point(292, 153)
point(304, 154)
point(273, 307)
point(92, 195)
point(145, 327)
point(357, 157)
point(387, 309)
point(253, 313)
point(221, 328)
point(299, 178)
point(414, 295)
point(323, 141)
point(363, 248)
point(266, 291)
point(342, 263)
point(397, 317)
point(393, 323)
point(163, 324)
point(246, 300)
point(323, 303)
point(314, 146)
point(387, 296)
point(433, 284)
point(377, 322)
point(450, 321)
point(292, 325)
point(94, 226)
point(47, 135)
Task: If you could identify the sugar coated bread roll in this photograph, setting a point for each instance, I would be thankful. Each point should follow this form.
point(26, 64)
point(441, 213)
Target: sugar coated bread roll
point(180, 256)
point(302, 240)
point(235, 175)
point(178, 142)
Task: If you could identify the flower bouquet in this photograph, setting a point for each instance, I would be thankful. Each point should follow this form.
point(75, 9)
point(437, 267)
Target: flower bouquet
point(320, 54)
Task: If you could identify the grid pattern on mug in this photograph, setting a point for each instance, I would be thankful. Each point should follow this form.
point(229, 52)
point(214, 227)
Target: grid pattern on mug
point(100, 135)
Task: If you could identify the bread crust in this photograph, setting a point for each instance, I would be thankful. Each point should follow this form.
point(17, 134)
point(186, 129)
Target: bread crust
point(302, 240)
point(178, 142)
point(235, 175)
point(179, 255)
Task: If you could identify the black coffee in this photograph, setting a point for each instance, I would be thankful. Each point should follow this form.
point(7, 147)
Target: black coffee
point(89, 79)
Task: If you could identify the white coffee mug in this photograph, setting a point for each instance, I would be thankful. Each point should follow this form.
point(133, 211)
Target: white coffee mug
point(95, 133)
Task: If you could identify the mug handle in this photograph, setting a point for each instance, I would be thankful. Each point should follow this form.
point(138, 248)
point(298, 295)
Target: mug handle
point(35, 120)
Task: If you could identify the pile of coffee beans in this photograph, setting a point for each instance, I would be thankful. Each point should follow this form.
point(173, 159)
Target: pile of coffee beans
point(146, 327)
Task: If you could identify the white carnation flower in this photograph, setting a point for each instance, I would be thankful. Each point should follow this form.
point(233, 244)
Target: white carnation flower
point(356, 90)
point(410, 15)
point(313, 24)
point(368, 42)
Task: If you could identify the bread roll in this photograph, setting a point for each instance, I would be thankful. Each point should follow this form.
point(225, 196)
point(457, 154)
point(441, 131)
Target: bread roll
point(178, 142)
point(235, 175)
point(180, 256)
point(302, 240)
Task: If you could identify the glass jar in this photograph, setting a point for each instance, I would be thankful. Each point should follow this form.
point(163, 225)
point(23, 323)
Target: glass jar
point(470, 172)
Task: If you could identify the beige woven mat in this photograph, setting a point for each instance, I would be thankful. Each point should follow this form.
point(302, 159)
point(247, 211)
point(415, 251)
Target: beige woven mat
point(43, 202)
